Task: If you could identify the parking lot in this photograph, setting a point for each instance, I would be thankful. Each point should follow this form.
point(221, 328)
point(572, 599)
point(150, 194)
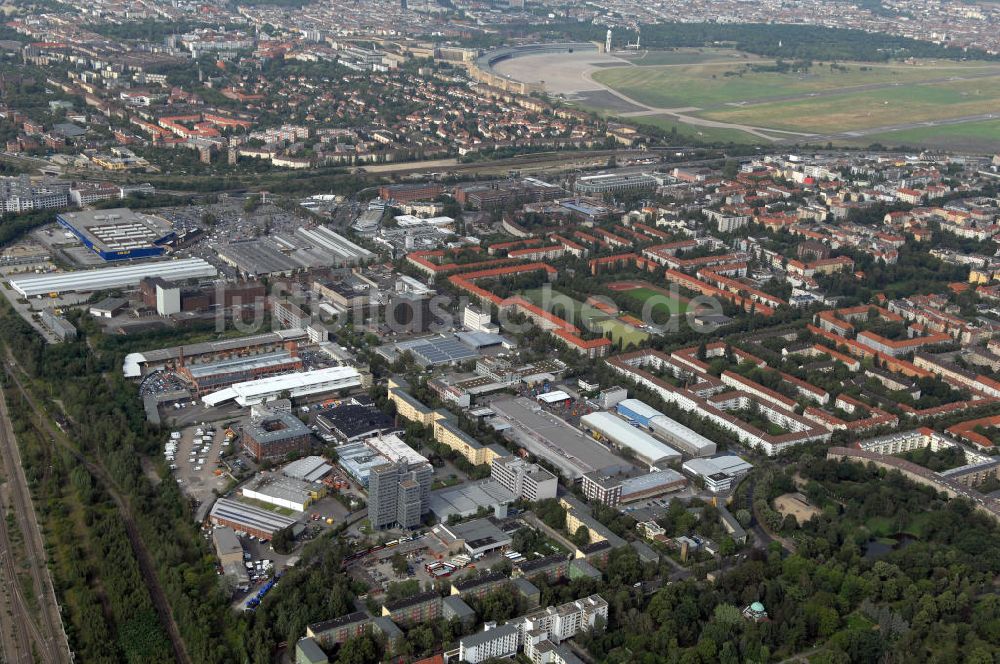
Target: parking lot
point(196, 461)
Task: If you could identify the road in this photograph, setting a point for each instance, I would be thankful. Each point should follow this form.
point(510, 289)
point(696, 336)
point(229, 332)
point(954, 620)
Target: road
point(46, 636)
point(147, 568)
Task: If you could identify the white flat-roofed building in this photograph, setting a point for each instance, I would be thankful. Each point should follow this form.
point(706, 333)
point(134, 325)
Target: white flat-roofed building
point(525, 480)
point(492, 643)
point(108, 278)
point(719, 473)
point(688, 441)
point(393, 448)
point(623, 434)
point(300, 384)
point(282, 491)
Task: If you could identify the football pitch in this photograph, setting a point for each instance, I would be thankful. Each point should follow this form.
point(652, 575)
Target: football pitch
point(664, 303)
point(585, 316)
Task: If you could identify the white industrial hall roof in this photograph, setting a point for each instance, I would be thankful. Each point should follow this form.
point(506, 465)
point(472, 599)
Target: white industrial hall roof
point(296, 384)
point(85, 281)
point(624, 434)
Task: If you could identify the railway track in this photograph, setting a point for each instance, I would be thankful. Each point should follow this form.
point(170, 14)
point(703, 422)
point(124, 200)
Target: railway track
point(47, 635)
point(143, 558)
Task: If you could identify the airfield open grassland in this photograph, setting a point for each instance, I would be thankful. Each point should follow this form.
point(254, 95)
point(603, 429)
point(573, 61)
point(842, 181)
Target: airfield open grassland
point(686, 56)
point(966, 136)
point(688, 131)
point(704, 85)
point(874, 108)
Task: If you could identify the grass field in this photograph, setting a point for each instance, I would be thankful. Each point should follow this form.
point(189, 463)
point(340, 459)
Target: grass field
point(666, 304)
point(675, 306)
point(584, 316)
point(823, 101)
point(968, 136)
point(706, 84)
point(707, 134)
point(622, 333)
point(874, 108)
point(686, 56)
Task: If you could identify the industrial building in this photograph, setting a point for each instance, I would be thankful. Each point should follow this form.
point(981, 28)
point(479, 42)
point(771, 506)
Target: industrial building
point(431, 351)
point(243, 518)
point(59, 326)
point(301, 384)
point(479, 536)
point(546, 436)
point(275, 435)
point(343, 251)
point(624, 435)
point(718, 473)
point(354, 421)
point(230, 552)
point(310, 469)
point(357, 459)
point(137, 365)
point(119, 234)
point(467, 499)
point(614, 183)
point(109, 278)
point(397, 477)
point(685, 439)
point(287, 492)
point(209, 377)
point(617, 489)
point(284, 254)
point(409, 313)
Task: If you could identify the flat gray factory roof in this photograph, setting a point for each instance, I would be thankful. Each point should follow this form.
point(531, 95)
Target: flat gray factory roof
point(464, 500)
point(237, 364)
point(545, 435)
point(249, 515)
point(261, 256)
point(132, 369)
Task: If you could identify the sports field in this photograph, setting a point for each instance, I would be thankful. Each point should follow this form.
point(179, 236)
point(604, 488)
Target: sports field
point(584, 316)
point(665, 303)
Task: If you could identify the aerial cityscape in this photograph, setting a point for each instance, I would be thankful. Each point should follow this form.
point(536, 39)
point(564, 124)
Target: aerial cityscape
point(480, 331)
